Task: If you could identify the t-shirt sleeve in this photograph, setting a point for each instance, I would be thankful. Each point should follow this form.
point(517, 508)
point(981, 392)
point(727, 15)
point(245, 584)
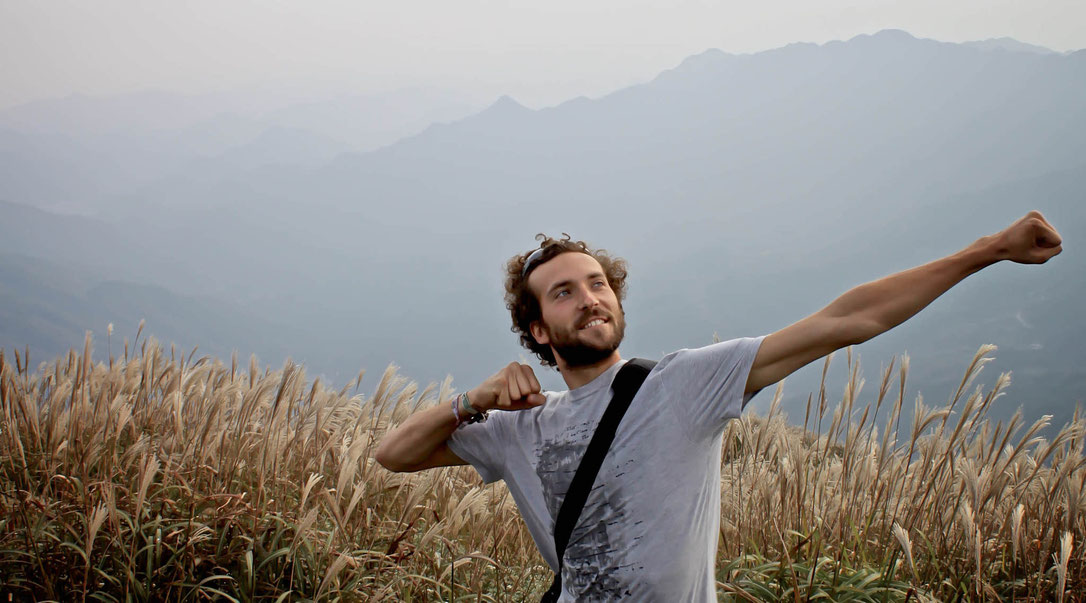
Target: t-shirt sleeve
point(707, 383)
point(480, 445)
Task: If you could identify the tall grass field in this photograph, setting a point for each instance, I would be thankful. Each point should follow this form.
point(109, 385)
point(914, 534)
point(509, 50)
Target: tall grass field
point(155, 476)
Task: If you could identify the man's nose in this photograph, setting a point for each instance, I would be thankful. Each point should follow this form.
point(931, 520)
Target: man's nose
point(588, 298)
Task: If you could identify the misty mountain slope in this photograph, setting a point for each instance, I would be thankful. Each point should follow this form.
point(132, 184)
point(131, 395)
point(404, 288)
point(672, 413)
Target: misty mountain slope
point(278, 146)
point(876, 114)
point(50, 169)
point(884, 116)
point(367, 122)
point(93, 245)
point(81, 114)
point(1006, 44)
point(74, 172)
point(76, 152)
point(48, 308)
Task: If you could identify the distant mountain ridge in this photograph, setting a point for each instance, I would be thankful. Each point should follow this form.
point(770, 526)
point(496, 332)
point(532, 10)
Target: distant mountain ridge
point(108, 146)
point(1009, 45)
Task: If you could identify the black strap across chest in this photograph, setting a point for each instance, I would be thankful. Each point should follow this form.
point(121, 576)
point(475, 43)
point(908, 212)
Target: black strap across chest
point(625, 386)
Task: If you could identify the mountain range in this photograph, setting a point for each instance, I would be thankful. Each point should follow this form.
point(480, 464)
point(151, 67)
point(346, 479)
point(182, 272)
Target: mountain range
point(746, 191)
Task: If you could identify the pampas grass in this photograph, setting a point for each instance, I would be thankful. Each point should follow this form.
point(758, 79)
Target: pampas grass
point(975, 508)
point(155, 477)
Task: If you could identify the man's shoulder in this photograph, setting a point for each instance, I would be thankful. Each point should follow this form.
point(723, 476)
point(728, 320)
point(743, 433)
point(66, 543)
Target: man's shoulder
point(717, 349)
point(717, 362)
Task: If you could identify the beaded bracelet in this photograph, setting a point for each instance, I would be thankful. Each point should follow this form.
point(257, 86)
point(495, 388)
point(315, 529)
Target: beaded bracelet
point(456, 410)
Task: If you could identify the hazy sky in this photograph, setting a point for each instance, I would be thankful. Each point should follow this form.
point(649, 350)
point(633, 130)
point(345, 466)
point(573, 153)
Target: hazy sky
point(540, 52)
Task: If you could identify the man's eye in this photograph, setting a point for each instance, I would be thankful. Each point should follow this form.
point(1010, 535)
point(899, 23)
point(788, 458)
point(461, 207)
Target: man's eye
point(561, 293)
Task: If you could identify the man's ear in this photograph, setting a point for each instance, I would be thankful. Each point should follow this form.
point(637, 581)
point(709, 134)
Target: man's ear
point(539, 333)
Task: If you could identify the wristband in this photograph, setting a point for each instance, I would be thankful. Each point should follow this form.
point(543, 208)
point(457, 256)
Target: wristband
point(456, 410)
point(467, 404)
point(474, 417)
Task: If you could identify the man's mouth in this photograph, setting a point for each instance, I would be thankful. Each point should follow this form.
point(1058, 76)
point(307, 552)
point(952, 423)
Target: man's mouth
point(593, 323)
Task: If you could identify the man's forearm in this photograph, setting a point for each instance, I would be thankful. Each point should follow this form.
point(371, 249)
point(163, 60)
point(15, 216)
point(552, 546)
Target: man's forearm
point(417, 438)
point(876, 307)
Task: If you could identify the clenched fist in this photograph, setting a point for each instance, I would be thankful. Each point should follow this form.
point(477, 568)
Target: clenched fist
point(1030, 240)
point(512, 388)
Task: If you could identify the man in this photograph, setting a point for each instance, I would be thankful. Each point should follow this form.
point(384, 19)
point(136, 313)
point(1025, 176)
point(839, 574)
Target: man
point(649, 529)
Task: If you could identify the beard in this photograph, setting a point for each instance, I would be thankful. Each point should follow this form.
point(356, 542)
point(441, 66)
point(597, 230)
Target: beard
point(577, 353)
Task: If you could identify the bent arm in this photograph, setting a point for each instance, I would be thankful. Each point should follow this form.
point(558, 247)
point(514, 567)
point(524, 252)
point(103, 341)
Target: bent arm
point(876, 307)
point(420, 442)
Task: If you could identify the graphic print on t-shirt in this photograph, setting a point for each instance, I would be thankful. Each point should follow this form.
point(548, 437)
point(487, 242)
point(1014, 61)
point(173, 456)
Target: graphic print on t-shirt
point(595, 556)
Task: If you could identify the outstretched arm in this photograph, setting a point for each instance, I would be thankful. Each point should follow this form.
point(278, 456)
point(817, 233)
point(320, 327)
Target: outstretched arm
point(876, 307)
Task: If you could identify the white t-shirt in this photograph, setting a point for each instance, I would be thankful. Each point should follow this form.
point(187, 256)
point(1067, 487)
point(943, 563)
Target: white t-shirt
point(649, 529)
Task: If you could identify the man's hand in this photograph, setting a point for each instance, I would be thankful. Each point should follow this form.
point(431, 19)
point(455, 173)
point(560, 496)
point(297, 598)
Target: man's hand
point(512, 388)
point(1030, 240)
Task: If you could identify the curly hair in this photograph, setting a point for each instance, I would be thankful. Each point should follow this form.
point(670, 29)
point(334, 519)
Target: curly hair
point(524, 306)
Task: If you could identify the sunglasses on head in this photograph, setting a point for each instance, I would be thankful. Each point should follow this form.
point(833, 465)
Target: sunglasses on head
point(531, 261)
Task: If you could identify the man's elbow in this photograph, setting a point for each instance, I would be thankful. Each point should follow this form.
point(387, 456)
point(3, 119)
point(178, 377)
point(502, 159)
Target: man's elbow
point(390, 461)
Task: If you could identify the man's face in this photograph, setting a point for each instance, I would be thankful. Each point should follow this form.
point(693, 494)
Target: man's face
point(581, 316)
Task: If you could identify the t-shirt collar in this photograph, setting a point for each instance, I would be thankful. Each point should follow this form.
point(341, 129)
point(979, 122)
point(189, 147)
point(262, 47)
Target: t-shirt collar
point(601, 382)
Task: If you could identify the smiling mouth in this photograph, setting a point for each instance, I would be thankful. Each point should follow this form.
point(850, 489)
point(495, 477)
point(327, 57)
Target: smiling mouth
point(594, 323)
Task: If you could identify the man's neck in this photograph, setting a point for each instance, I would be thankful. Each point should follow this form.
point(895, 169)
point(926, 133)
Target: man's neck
point(577, 376)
